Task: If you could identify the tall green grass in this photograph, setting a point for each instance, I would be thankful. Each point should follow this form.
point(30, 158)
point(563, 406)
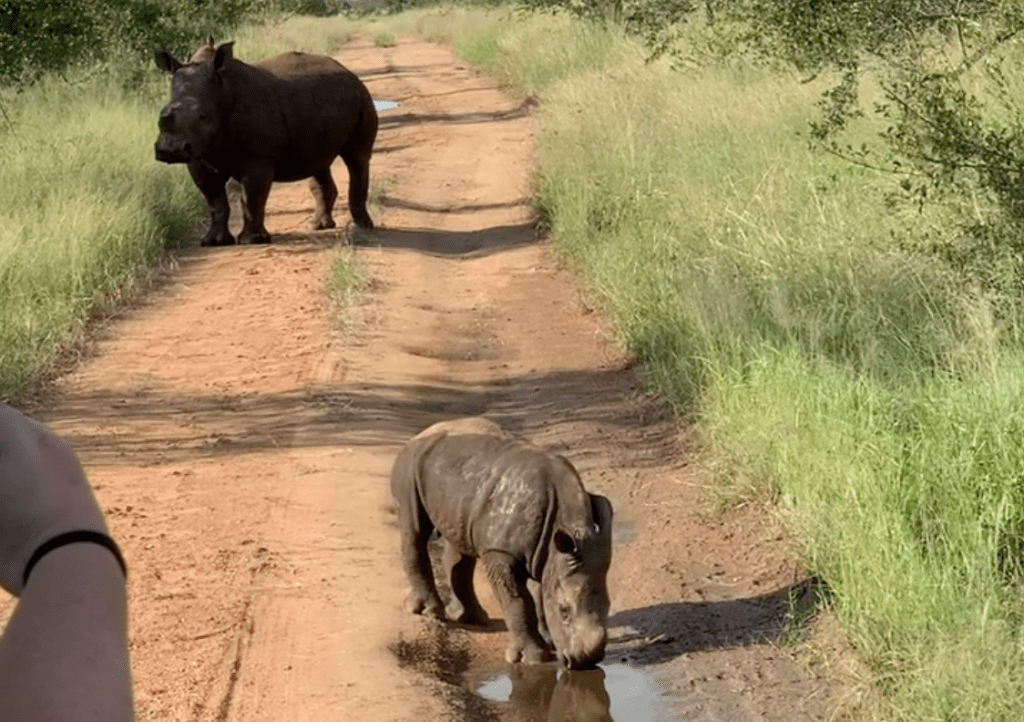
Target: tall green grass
point(523, 52)
point(85, 210)
point(910, 503)
point(859, 380)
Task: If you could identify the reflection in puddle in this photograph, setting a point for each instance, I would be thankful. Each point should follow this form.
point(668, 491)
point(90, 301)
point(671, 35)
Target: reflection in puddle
point(543, 693)
point(385, 104)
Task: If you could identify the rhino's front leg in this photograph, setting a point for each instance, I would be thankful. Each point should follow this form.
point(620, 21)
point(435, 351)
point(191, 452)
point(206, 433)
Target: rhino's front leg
point(538, 604)
point(256, 183)
point(509, 581)
point(212, 183)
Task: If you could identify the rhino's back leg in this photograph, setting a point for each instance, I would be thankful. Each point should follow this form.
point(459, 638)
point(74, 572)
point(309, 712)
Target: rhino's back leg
point(464, 606)
point(325, 192)
point(358, 165)
point(508, 578)
point(356, 154)
point(415, 527)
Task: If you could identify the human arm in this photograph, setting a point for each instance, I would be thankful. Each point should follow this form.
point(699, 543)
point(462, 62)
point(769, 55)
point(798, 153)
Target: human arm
point(64, 654)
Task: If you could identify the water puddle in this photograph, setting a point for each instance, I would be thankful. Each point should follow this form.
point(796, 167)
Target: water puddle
point(385, 104)
point(545, 693)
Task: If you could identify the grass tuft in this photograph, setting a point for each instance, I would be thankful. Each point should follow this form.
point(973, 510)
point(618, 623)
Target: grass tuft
point(347, 285)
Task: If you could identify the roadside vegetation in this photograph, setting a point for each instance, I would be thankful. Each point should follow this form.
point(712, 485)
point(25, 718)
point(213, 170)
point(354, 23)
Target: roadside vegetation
point(85, 214)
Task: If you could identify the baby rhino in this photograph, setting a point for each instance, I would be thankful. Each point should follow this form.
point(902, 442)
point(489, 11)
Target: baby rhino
point(545, 543)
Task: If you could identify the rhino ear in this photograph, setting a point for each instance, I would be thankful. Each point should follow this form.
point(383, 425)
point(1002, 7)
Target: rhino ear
point(224, 53)
point(564, 543)
point(166, 61)
point(602, 511)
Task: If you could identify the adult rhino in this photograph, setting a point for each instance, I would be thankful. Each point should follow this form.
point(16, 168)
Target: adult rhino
point(546, 543)
point(282, 119)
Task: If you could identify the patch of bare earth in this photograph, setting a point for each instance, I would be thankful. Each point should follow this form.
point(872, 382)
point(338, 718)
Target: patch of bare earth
point(241, 449)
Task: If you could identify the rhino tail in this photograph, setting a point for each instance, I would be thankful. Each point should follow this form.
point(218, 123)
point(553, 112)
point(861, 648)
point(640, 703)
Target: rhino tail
point(407, 479)
point(368, 122)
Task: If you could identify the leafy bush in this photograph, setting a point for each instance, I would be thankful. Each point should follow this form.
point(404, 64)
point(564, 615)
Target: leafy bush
point(40, 36)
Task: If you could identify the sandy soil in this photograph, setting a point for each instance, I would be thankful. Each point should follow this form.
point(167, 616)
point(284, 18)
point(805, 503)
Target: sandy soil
point(241, 448)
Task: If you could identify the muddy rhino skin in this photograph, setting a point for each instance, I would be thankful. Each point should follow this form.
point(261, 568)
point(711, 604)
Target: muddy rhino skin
point(545, 542)
point(282, 119)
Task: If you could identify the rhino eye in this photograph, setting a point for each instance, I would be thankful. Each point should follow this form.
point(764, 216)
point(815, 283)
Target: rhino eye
point(565, 611)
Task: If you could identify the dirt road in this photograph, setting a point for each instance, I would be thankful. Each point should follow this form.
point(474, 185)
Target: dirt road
point(241, 449)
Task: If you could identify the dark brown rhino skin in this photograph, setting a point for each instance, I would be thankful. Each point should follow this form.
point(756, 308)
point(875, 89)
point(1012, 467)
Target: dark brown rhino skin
point(282, 119)
point(523, 512)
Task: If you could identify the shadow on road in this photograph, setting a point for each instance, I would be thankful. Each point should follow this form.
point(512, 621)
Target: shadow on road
point(168, 427)
point(662, 632)
point(455, 243)
point(391, 202)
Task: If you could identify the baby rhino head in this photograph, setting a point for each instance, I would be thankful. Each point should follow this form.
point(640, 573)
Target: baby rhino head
point(574, 588)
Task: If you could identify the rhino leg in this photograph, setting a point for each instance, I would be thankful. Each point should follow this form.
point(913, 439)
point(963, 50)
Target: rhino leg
point(416, 529)
point(325, 192)
point(256, 183)
point(542, 625)
point(357, 160)
point(464, 606)
point(211, 184)
point(509, 581)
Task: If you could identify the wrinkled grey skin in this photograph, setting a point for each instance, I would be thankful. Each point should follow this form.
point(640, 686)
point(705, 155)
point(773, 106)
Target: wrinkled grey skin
point(545, 543)
point(282, 119)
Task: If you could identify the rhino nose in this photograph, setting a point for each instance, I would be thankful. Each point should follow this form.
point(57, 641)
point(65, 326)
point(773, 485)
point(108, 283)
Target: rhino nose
point(167, 151)
point(588, 649)
point(167, 118)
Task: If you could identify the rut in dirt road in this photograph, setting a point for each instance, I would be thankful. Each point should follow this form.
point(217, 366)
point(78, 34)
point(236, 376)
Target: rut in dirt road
point(242, 450)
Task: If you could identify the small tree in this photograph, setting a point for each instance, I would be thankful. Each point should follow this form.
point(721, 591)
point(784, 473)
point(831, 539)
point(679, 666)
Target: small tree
point(953, 136)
